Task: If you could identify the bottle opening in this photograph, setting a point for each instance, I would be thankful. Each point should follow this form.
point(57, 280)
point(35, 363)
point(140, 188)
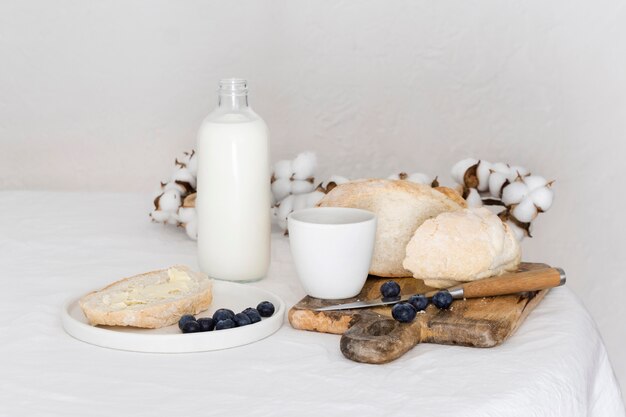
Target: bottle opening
point(233, 86)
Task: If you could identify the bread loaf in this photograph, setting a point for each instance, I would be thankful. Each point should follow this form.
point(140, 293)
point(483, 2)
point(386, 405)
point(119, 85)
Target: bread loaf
point(151, 300)
point(461, 246)
point(401, 206)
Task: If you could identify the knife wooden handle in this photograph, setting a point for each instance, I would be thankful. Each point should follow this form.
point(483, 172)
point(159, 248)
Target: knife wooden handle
point(513, 283)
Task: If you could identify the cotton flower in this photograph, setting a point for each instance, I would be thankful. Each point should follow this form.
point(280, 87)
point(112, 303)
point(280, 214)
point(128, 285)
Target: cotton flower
point(542, 198)
point(534, 181)
point(170, 200)
point(332, 182)
point(514, 193)
point(186, 214)
point(482, 173)
point(313, 198)
point(398, 176)
point(500, 167)
point(420, 178)
point(304, 165)
point(283, 169)
point(184, 175)
point(473, 199)
point(525, 211)
point(517, 171)
point(192, 229)
point(458, 170)
point(159, 216)
point(496, 182)
point(285, 207)
point(301, 187)
point(281, 188)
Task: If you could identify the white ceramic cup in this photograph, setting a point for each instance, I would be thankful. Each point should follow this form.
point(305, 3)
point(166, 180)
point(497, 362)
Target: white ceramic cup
point(332, 249)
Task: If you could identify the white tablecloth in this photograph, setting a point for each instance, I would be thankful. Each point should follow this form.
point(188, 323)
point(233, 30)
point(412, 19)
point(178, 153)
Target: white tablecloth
point(54, 246)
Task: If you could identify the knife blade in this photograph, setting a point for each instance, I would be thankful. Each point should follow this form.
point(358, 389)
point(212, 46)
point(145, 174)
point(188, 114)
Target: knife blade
point(511, 283)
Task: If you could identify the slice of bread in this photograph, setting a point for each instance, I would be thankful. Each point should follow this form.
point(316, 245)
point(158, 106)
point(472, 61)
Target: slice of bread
point(462, 246)
point(401, 206)
point(151, 300)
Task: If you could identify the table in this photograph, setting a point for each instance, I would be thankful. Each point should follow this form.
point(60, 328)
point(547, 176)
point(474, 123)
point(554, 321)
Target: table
point(55, 246)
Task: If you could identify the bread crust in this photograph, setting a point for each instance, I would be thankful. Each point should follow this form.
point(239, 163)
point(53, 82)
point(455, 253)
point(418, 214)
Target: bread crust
point(462, 246)
point(401, 206)
point(150, 316)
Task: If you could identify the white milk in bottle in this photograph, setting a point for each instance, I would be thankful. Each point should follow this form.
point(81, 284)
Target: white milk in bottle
point(233, 200)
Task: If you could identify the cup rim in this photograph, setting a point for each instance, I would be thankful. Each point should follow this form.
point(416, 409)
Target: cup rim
point(293, 216)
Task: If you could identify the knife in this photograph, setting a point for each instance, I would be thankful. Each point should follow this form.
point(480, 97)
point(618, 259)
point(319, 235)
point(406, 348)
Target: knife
point(538, 279)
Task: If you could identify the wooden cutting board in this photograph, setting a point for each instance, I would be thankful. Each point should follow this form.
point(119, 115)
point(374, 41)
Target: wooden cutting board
point(372, 336)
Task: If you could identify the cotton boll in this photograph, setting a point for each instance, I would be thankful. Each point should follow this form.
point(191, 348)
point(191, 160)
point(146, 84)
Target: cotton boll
point(174, 186)
point(283, 169)
point(192, 230)
point(281, 188)
point(301, 187)
point(313, 198)
point(285, 207)
point(398, 176)
point(525, 211)
point(482, 173)
point(282, 223)
point(332, 182)
point(500, 167)
point(338, 179)
point(473, 199)
point(496, 181)
point(170, 201)
point(160, 216)
point(542, 198)
point(192, 165)
point(300, 202)
point(304, 166)
point(173, 219)
point(516, 171)
point(420, 178)
point(458, 170)
point(187, 214)
point(514, 193)
point(535, 181)
point(518, 232)
point(184, 175)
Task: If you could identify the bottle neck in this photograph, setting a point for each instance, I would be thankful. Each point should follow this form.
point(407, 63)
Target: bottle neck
point(233, 94)
point(232, 102)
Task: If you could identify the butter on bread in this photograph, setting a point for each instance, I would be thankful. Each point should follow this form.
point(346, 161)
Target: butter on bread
point(464, 245)
point(151, 300)
point(401, 206)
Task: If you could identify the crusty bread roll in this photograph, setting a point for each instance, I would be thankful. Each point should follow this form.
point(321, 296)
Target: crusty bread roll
point(151, 300)
point(464, 245)
point(401, 206)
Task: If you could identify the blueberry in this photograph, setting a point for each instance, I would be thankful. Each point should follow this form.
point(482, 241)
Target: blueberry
point(390, 289)
point(191, 326)
point(184, 319)
point(224, 324)
point(253, 314)
point(223, 314)
point(442, 299)
point(242, 319)
point(265, 308)
point(403, 312)
point(206, 324)
point(418, 301)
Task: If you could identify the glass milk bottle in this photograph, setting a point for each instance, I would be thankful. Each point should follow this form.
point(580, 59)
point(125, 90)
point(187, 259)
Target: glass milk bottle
point(233, 200)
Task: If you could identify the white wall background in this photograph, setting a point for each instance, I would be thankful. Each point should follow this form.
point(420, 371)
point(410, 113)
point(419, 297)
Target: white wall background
point(102, 95)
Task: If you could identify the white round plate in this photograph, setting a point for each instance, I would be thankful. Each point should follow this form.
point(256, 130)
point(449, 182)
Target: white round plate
point(170, 339)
